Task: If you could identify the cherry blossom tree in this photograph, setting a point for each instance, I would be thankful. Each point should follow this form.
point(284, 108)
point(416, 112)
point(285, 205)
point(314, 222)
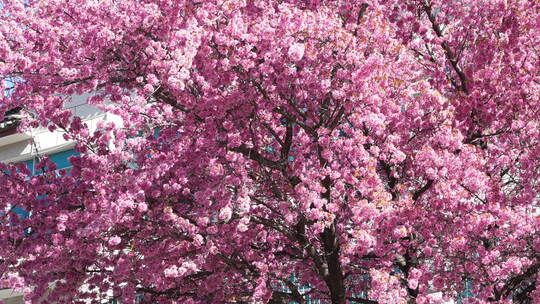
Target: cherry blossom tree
point(270, 151)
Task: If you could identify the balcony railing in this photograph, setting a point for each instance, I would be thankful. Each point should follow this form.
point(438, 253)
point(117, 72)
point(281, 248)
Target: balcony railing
point(12, 119)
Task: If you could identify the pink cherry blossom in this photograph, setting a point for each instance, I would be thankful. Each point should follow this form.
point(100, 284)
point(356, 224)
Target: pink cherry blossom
point(265, 151)
point(296, 51)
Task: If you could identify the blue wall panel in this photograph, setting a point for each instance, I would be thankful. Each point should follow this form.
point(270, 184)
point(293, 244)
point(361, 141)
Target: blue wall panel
point(61, 161)
point(61, 158)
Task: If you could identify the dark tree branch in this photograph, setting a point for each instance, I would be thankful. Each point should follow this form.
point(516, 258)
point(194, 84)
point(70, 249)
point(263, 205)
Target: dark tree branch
point(448, 52)
point(286, 147)
point(421, 191)
point(297, 296)
point(361, 12)
point(256, 156)
point(361, 300)
point(512, 284)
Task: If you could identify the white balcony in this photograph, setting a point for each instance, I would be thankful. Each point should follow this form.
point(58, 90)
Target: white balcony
point(8, 296)
point(16, 146)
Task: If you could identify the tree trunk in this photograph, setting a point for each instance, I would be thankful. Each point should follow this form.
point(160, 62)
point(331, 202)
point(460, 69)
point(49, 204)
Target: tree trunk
point(335, 279)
